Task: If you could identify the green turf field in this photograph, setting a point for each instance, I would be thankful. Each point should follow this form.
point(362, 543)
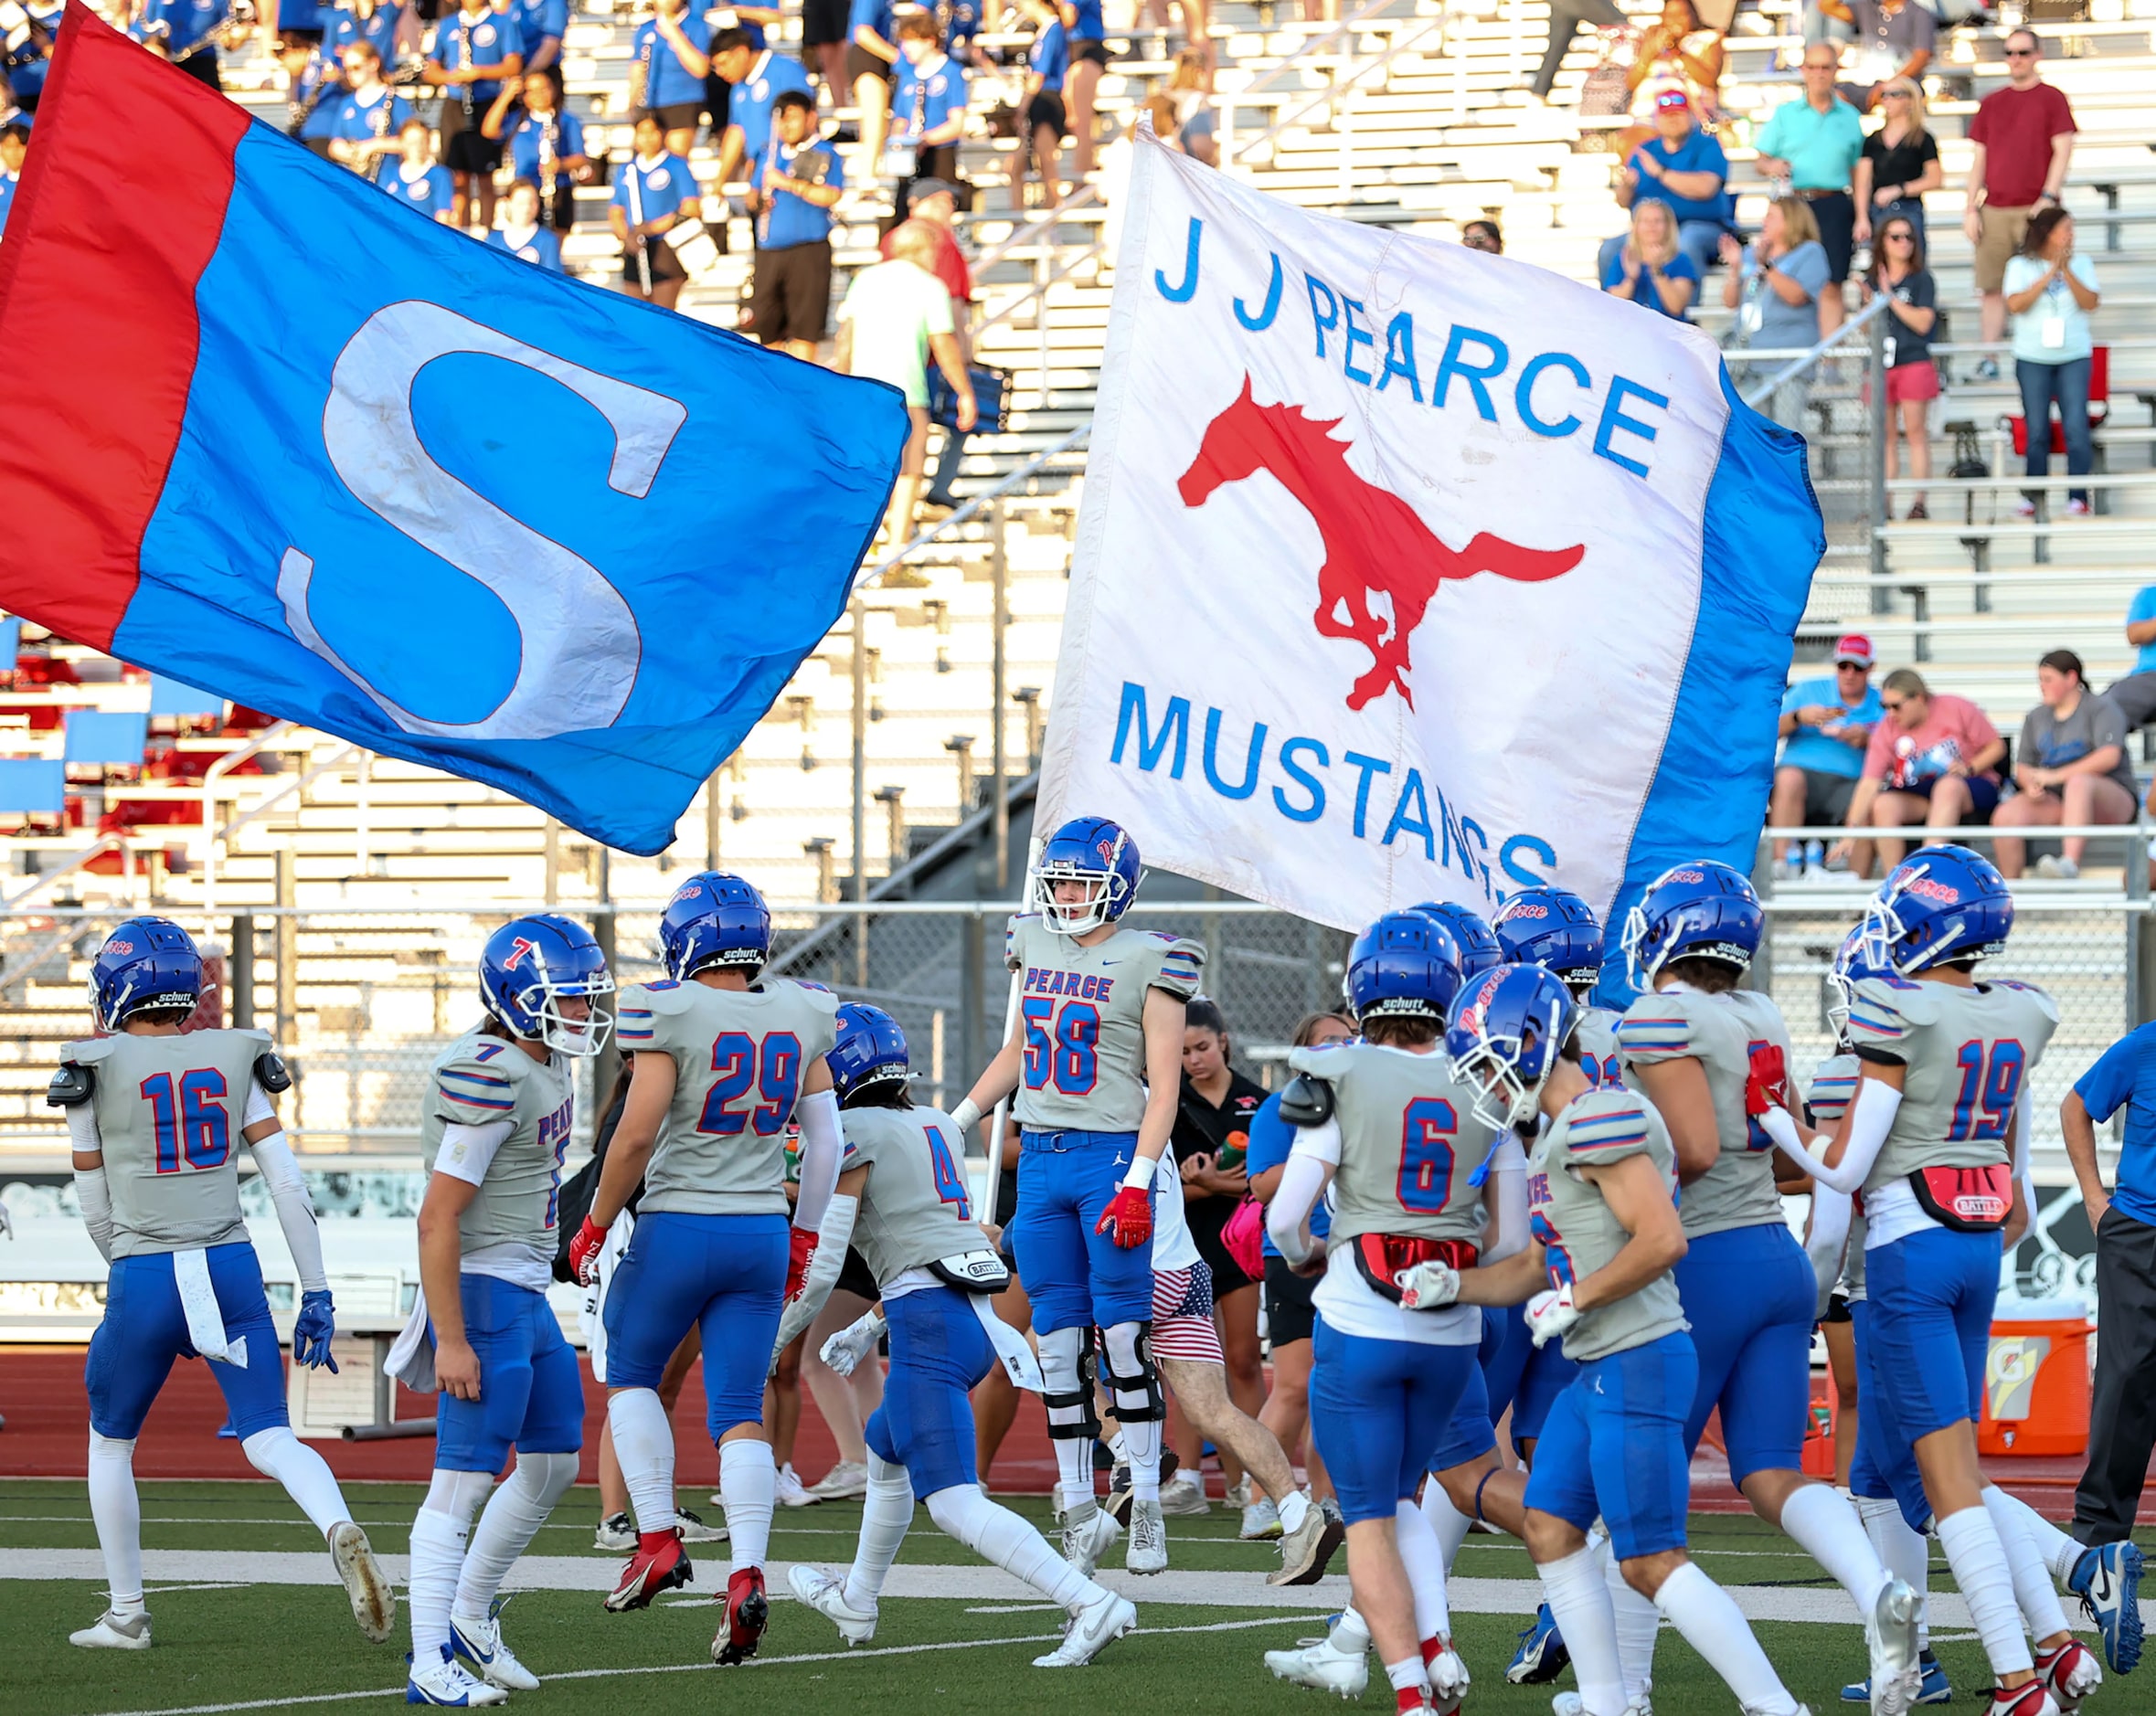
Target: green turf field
point(223, 1644)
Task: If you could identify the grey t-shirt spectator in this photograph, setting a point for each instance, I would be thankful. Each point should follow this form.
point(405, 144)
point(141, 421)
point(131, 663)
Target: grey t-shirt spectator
point(1884, 45)
point(2050, 742)
point(1785, 326)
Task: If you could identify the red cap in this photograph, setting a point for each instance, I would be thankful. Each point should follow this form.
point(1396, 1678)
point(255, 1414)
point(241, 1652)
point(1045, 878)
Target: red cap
point(1854, 647)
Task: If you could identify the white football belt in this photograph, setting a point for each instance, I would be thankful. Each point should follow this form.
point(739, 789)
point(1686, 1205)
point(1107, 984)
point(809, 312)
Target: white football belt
point(411, 1354)
point(1024, 1369)
point(198, 1300)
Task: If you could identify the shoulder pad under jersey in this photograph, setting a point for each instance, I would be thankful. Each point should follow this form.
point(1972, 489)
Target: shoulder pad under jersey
point(72, 1084)
point(1306, 1101)
point(270, 1073)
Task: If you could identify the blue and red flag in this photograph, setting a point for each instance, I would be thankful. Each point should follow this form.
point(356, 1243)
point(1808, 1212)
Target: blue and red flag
point(275, 434)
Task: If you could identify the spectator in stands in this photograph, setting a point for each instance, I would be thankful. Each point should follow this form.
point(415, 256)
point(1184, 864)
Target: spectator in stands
point(15, 147)
point(2122, 1407)
point(366, 127)
point(1774, 285)
point(927, 107)
point(1683, 168)
point(1826, 724)
point(1677, 55)
point(187, 32)
point(1084, 34)
point(654, 193)
point(1650, 269)
point(1894, 39)
point(2050, 289)
point(542, 24)
point(522, 233)
point(872, 59)
point(1486, 236)
point(751, 22)
point(2135, 695)
point(666, 72)
point(1041, 118)
point(1566, 18)
point(370, 21)
point(2024, 143)
point(758, 76)
point(1189, 88)
point(1900, 163)
point(896, 314)
point(29, 64)
point(1912, 378)
point(936, 205)
point(826, 26)
point(2070, 768)
point(474, 50)
point(418, 179)
point(285, 23)
point(546, 145)
point(793, 188)
point(315, 91)
point(1814, 144)
point(1934, 761)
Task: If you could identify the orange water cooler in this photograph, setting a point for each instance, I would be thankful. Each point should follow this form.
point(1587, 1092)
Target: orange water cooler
point(2037, 1395)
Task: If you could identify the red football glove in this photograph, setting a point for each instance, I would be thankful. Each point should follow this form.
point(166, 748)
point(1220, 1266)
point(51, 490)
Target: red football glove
point(802, 1249)
point(1766, 1085)
point(584, 1252)
point(1127, 1219)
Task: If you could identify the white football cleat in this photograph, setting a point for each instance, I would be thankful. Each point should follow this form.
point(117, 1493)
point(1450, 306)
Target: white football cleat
point(616, 1533)
point(445, 1682)
point(116, 1632)
point(1569, 1704)
point(693, 1528)
point(479, 1647)
point(1323, 1666)
point(1089, 1533)
point(1098, 1624)
point(827, 1596)
point(1898, 1669)
point(374, 1602)
point(1147, 1550)
point(790, 1493)
point(1448, 1681)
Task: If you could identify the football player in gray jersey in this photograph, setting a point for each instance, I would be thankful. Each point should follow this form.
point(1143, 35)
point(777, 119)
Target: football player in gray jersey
point(723, 1062)
point(903, 1200)
point(154, 1114)
point(1932, 1138)
point(500, 1107)
point(1714, 1060)
point(1096, 1058)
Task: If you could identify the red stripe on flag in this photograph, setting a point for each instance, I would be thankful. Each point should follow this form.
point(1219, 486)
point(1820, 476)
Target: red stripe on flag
point(105, 246)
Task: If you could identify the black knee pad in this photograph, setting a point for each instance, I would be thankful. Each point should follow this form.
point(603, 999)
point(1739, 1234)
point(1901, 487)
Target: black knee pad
point(1136, 1395)
point(1085, 1425)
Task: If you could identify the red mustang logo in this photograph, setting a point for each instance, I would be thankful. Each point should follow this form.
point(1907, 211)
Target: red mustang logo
point(1373, 540)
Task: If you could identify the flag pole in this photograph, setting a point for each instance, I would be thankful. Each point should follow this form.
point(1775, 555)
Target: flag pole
point(1003, 1107)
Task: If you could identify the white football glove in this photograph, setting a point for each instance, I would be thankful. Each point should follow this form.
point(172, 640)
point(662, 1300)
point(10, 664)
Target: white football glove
point(1551, 1312)
point(854, 1342)
point(1428, 1286)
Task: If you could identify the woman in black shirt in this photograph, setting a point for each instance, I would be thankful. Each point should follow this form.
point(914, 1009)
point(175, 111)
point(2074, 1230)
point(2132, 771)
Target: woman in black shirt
point(1898, 274)
point(1900, 163)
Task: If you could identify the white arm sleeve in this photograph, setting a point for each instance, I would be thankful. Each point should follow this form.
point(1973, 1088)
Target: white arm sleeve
point(1506, 1197)
point(295, 1210)
point(258, 1105)
point(822, 1144)
point(831, 1240)
point(82, 1133)
point(1826, 1239)
point(467, 1150)
point(91, 1193)
point(1303, 1183)
point(1871, 1117)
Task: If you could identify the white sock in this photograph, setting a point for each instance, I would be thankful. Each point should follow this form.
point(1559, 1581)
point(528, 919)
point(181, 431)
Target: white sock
point(1295, 1510)
point(886, 1513)
point(1716, 1627)
point(1638, 1623)
point(964, 1514)
point(2060, 1552)
point(1579, 1602)
point(2032, 1589)
point(749, 1478)
point(1424, 1558)
point(514, 1513)
point(1350, 1634)
point(1828, 1529)
point(1905, 1552)
point(1074, 1471)
point(1141, 1440)
point(1978, 1560)
point(117, 1509)
point(305, 1475)
point(644, 1445)
point(1407, 1674)
point(437, 1557)
point(1450, 1525)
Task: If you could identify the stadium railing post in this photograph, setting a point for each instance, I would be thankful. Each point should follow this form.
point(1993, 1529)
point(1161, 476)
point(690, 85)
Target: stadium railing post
point(1875, 366)
point(239, 976)
point(999, 574)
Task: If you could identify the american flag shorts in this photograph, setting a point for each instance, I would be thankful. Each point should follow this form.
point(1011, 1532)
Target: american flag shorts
point(1182, 1315)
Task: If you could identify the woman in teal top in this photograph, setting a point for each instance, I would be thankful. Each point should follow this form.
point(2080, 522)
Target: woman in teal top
point(2050, 290)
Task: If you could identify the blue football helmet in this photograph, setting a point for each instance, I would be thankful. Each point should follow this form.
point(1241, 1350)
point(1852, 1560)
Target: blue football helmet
point(529, 965)
point(145, 963)
point(1478, 947)
point(1404, 966)
point(1699, 909)
point(1853, 964)
point(1946, 903)
point(1095, 852)
point(870, 1050)
point(1554, 928)
point(1504, 1036)
point(715, 919)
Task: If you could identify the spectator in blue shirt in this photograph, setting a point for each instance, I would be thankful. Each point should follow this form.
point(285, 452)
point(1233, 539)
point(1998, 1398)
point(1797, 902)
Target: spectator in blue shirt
point(14, 143)
point(666, 72)
point(521, 233)
point(365, 126)
point(1041, 119)
point(1650, 269)
point(961, 21)
point(418, 179)
point(2123, 1411)
point(1825, 726)
point(1084, 30)
point(927, 106)
point(2135, 695)
point(315, 89)
point(286, 22)
point(546, 145)
point(758, 77)
point(370, 21)
point(29, 63)
point(475, 50)
point(872, 59)
point(793, 188)
point(185, 32)
point(655, 193)
point(542, 24)
point(1684, 167)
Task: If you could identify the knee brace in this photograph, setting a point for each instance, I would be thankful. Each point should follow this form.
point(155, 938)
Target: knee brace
point(1065, 1356)
point(1134, 1380)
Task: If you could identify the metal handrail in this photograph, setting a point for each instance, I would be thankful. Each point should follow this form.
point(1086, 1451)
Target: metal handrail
point(219, 840)
point(1796, 367)
point(104, 844)
point(973, 507)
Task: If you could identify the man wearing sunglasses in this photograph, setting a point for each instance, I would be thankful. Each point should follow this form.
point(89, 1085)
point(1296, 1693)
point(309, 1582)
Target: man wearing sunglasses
point(2023, 140)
